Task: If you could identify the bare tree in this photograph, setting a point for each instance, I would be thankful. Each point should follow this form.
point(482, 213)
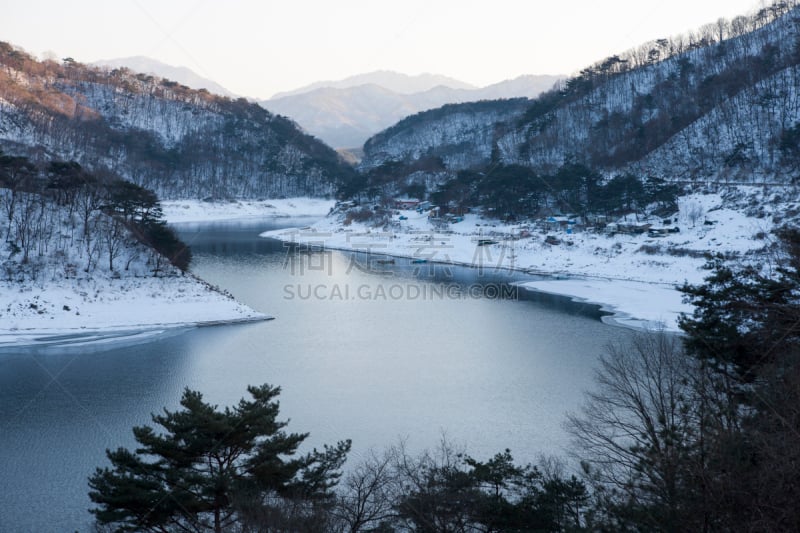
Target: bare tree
point(368, 494)
point(694, 212)
point(113, 235)
point(637, 430)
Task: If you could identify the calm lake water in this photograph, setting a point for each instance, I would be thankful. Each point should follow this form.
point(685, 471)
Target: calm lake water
point(362, 348)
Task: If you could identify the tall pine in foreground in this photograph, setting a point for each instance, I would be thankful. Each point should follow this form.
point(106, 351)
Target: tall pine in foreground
point(745, 334)
point(210, 469)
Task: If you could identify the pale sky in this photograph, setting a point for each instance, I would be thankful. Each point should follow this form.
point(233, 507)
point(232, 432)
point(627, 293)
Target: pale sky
point(256, 48)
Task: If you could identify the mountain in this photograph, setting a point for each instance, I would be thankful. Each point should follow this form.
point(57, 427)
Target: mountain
point(182, 75)
point(720, 104)
point(346, 115)
point(393, 81)
point(177, 141)
point(461, 134)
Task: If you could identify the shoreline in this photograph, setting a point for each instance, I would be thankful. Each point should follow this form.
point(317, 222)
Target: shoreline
point(616, 316)
point(632, 274)
point(618, 274)
point(81, 336)
point(596, 288)
point(100, 308)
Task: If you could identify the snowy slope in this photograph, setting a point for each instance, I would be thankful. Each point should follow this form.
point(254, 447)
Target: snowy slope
point(68, 276)
point(462, 135)
point(72, 310)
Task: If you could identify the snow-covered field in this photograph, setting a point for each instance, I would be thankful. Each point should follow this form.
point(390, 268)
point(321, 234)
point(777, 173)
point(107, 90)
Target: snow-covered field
point(177, 211)
point(634, 275)
point(80, 310)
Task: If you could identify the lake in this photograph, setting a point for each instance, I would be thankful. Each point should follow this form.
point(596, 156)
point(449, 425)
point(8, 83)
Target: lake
point(364, 347)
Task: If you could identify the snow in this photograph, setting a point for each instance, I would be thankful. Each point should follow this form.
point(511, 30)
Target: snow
point(60, 308)
point(636, 276)
point(66, 292)
point(179, 211)
point(99, 308)
point(635, 304)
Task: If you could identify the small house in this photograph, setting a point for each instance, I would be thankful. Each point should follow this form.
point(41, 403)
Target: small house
point(405, 203)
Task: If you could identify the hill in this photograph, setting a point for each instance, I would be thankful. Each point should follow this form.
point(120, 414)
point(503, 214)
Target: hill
point(719, 104)
point(89, 257)
point(157, 133)
point(390, 80)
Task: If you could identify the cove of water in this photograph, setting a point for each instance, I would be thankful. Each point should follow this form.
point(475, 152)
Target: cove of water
point(363, 348)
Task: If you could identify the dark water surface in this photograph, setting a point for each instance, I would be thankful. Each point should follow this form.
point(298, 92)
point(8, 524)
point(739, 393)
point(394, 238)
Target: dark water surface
point(362, 348)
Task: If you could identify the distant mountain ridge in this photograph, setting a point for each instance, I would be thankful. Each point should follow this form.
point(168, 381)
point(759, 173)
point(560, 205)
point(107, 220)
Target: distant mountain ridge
point(160, 134)
point(393, 81)
point(182, 75)
point(345, 114)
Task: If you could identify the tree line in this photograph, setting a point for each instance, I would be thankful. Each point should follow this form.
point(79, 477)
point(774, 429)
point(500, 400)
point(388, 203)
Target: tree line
point(699, 432)
point(516, 190)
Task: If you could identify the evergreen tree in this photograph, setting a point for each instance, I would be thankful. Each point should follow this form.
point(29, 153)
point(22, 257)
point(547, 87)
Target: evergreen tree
point(455, 492)
point(209, 468)
point(745, 331)
point(746, 318)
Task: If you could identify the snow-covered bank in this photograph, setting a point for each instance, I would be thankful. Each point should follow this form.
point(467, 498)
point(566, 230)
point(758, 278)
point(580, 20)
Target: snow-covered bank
point(99, 308)
point(633, 303)
point(635, 275)
point(72, 265)
point(178, 211)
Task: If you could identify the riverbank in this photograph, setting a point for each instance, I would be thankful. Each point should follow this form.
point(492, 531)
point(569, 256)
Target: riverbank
point(58, 309)
point(635, 276)
point(102, 308)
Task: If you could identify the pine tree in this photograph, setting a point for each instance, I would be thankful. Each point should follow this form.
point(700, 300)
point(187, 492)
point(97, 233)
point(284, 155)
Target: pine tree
point(746, 318)
point(745, 332)
point(209, 468)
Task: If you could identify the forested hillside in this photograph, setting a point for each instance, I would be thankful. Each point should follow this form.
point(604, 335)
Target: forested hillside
point(721, 103)
point(179, 142)
point(59, 221)
point(461, 134)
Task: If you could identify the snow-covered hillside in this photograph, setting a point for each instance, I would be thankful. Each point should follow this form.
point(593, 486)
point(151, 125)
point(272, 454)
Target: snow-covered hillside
point(179, 142)
point(73, 266)
point(739, 140)
point(714, 104)
point(461, 134)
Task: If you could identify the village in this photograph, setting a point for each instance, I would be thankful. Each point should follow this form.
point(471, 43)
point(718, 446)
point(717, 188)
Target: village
point(394, 212)
point(631, 265)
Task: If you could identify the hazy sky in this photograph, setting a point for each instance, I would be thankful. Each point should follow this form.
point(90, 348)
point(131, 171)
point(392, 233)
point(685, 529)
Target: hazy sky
point(256, 48)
